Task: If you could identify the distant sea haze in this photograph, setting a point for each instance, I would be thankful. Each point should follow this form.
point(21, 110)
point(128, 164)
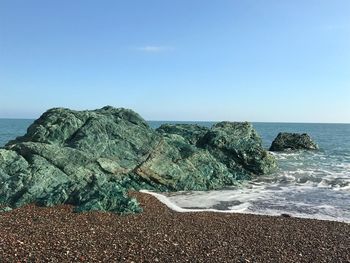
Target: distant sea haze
point(307, 184)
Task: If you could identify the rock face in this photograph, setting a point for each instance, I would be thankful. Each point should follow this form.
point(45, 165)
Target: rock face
point(293, 141)
point(190, 132)
point(92, 158)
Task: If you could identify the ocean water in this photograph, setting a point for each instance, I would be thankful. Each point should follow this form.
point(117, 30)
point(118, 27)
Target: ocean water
point(11, 128)
point(312, 184)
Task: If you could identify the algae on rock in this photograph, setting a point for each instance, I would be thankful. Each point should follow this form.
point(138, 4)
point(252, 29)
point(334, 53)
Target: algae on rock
point(91, 159)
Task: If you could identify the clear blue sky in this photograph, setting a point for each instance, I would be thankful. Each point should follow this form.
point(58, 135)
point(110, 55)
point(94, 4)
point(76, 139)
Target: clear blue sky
point(255, 60)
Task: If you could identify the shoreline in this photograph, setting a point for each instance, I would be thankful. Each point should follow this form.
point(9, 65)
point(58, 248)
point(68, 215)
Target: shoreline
point(164, 200)
point(159, 234)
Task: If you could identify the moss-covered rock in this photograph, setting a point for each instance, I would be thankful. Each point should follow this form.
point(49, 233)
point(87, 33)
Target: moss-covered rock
point(92, 158)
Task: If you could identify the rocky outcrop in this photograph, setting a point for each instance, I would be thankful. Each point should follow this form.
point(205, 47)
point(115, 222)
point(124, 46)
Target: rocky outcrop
point(190, 132)
point(239, 147)
point(293, 141)
point(92, 158)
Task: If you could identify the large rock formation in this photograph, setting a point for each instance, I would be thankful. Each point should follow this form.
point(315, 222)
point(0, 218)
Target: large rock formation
point(92, 158)
point(293, 141)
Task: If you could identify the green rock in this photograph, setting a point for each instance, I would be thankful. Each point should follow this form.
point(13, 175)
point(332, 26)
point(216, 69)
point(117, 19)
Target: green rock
point(239, 147)
point(5, 209)
point(91, 159)
point(293, 141)
point(191, 132)
point(177, 165)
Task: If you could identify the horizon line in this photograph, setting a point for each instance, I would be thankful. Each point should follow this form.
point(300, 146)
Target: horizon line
point(196, 121)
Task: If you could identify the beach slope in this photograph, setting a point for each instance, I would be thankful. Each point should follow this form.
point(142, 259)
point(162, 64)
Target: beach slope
point(57, 234)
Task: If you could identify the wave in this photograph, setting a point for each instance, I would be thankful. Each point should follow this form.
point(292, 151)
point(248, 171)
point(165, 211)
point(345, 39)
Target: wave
point(201, 203)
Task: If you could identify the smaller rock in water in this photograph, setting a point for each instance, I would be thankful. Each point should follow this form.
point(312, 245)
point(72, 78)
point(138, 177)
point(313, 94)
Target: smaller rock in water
point(293, 141)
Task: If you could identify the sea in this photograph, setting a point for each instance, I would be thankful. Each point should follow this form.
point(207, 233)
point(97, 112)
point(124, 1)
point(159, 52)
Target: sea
point(307, 184)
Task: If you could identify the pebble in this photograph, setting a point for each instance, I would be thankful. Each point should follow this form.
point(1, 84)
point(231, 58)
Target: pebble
point(57, 234)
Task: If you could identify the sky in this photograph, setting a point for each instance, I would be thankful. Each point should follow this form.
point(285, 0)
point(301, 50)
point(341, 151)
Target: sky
point(236, 60)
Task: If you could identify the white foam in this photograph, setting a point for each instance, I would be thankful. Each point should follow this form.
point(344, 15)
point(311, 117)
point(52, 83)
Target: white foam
point(345, 166)
point(307, 184)
point(165, 200)
point(261, 200)
point(242, 208)
point(346, 187)
point(324, 184)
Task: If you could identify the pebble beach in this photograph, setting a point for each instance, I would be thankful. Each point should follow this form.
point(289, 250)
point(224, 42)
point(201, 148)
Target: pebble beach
point(158, 234)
